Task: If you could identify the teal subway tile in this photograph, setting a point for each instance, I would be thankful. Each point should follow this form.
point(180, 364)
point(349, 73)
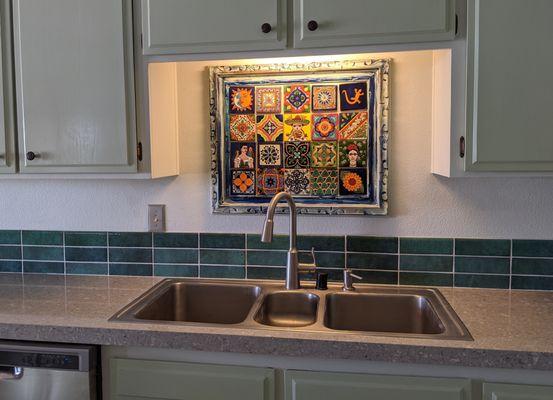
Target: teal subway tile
point(485, 265)
point(131, 269)
point(425, 279)
point(266, 273)
point(176, 240)
point(268, 258)
point(222, 241)
point(334, 275)
point(130, 239)
point(84, 268)
point(426, 246)
point(10, 252)
point(42, 238)
point(42, 267)
point(324, 260)
point(176, 256)
point(372, 261)
point(532, 282)
point(426, 263)
point(483, 247)
point(11, 266)
point(130, 255)
point(377, 277)
point(280, 242)
point(222, 271)
point(176, 270)
point(98, 254)
point(532, 266)
point(532, 248)
point(321, 243)
point(43, 253)
point(10, 237)
point(86, 239)
point(372, 244)
point(224, 257)
point(482, 281)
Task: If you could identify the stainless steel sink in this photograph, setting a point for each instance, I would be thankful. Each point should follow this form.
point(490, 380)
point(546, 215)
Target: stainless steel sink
point(370, 310)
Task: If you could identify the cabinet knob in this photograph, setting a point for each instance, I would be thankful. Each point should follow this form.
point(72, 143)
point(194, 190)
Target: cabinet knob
point(312, 25)
point(266, 27)
point(31, 156)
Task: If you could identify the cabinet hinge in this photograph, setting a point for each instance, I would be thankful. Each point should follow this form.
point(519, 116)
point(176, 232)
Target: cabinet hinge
point(456, 24)
point(139, 151)
point(462, 147)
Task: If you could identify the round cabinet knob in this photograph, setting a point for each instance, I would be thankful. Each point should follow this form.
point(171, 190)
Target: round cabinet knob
point(266, 27)
point(312, 25)
point(31, 156)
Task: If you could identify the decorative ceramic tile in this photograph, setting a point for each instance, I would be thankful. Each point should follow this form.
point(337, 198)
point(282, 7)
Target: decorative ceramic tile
point(354, 125)
point(268, 100)
point(297, 99)
point(242, 100)
point(353, 153)
point(325, 98)
point(270, 181)
point(243, 155)
point(324, 155)
point(353, 96)
point(324, 182)
point(353, 181)
point(296, 181)
point(242, 128)
point(243, 182)
point(270, 128)
point(297, 128)
point(297, 155)
point(325, 127)
point(270, 155)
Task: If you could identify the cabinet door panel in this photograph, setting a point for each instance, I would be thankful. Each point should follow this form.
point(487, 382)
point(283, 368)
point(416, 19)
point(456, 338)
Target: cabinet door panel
point(510, 90)
point(497, 391)
point(7, 113)
point(202, 26)
point(303, 385)
point(74, 85)
point(139, 379)
point(360, 22)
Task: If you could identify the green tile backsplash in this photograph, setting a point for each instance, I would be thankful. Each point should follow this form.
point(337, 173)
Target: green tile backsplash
point(487, 263)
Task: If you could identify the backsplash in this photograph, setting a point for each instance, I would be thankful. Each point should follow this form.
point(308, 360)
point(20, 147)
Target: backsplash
point(503, 264)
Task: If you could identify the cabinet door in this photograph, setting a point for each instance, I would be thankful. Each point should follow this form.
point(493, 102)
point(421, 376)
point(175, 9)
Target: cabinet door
point(75, 85)
point(496, 391)
point(510, 85)
point(139, 379)
point(203, 26)
point(303, 385)
point(363, 22)
point(7, 112)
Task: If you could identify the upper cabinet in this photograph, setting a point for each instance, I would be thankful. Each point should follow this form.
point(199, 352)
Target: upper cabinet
point(75, 86)
point(202, 26)
point(324, 23)
point(7, 130)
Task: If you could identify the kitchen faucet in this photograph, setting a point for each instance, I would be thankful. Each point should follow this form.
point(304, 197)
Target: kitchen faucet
point(293, 266)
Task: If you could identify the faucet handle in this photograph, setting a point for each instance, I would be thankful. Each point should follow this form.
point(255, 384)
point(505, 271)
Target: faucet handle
point(348, 279)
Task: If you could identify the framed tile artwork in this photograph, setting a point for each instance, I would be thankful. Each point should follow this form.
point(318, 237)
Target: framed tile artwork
point(318, 131)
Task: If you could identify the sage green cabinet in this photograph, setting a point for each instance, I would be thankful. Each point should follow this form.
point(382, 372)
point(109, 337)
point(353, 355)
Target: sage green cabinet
point(75, 86)
point(498, 391)
point(304, 385)
point(364, 22)
point(510, 86)
point(141, 379)
point(7, 113)
point(203, 26)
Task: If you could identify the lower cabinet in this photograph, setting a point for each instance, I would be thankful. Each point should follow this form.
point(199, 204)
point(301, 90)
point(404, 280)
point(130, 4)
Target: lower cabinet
point(499, 391)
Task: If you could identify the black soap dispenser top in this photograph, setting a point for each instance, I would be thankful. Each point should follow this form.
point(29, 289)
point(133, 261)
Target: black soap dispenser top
point(322, 281)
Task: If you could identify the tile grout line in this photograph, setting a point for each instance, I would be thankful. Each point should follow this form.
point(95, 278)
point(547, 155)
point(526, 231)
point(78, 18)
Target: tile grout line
point(454, 261)
point(198, 247)
point(511, 267)
point(398, 260)
point(64, 259)
point(22, 257)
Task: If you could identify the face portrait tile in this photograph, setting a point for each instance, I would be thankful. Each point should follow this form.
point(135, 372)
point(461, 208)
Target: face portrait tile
point(270, 181)
point(324, 98)
point(243, 183)
point(353, 96)
point(269, 154)
point(268, 99)
point(270, 128)
point(324, 127)
point(354, 125)
point(242, 155)
point(324, 155)
point(241, 100)
point(324, 182)
point(242, 127)
point(353, 153)
point(297, 99)
point(297, 127)
point(296, 181)
point(353, 181)
point(297, 155)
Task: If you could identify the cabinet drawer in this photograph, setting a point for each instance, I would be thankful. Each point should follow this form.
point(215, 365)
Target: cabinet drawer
point(498, 391)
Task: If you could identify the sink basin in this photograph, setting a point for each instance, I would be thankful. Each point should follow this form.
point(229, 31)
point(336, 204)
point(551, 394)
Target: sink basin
point(397, 313)
point(288, 309)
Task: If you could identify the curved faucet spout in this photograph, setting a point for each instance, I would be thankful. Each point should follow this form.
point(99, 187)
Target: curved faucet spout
point(267, 235)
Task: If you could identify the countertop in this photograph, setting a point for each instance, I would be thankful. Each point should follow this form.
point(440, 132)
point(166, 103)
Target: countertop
point(511, 329)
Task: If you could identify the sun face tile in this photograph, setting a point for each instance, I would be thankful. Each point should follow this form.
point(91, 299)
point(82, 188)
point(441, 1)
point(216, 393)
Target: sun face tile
point(241, 100)
point(324, 182)
point(297, 155)
point(270, 155)
point(296, 181)
point(353, 96)
point(243, 155)
point(297, 128)
point(268, 100)
point(242, 127)
point(297, 99)
point(270, 128)
point(324, 155)
point(324, 98)
point(270, 181)
point(354, 125)
point(325, 127)
point(353, 153)
point(353, 181)
point(243, 183)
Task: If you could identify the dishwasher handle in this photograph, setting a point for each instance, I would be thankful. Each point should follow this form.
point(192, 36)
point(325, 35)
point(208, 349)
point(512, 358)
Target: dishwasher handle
point(11, 373)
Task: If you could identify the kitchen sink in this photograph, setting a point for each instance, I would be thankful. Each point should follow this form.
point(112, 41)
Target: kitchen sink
point(369, 310)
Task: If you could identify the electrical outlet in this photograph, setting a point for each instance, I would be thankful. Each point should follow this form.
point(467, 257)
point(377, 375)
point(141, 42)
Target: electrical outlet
point(156, 218)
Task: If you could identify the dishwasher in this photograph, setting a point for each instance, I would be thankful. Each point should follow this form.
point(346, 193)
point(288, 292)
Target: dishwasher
point(38, 371)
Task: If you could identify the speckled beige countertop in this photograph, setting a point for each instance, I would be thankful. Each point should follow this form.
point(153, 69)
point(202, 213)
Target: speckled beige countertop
point(510, 329)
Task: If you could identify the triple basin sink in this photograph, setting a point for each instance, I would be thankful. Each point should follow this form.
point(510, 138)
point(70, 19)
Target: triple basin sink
point(385, 311)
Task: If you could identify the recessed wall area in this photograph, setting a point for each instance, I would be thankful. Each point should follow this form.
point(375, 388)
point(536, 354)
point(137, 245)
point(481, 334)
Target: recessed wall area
point(421, 204)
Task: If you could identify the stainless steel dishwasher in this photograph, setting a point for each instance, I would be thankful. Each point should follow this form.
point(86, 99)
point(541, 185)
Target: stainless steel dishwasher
point(37, 371)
